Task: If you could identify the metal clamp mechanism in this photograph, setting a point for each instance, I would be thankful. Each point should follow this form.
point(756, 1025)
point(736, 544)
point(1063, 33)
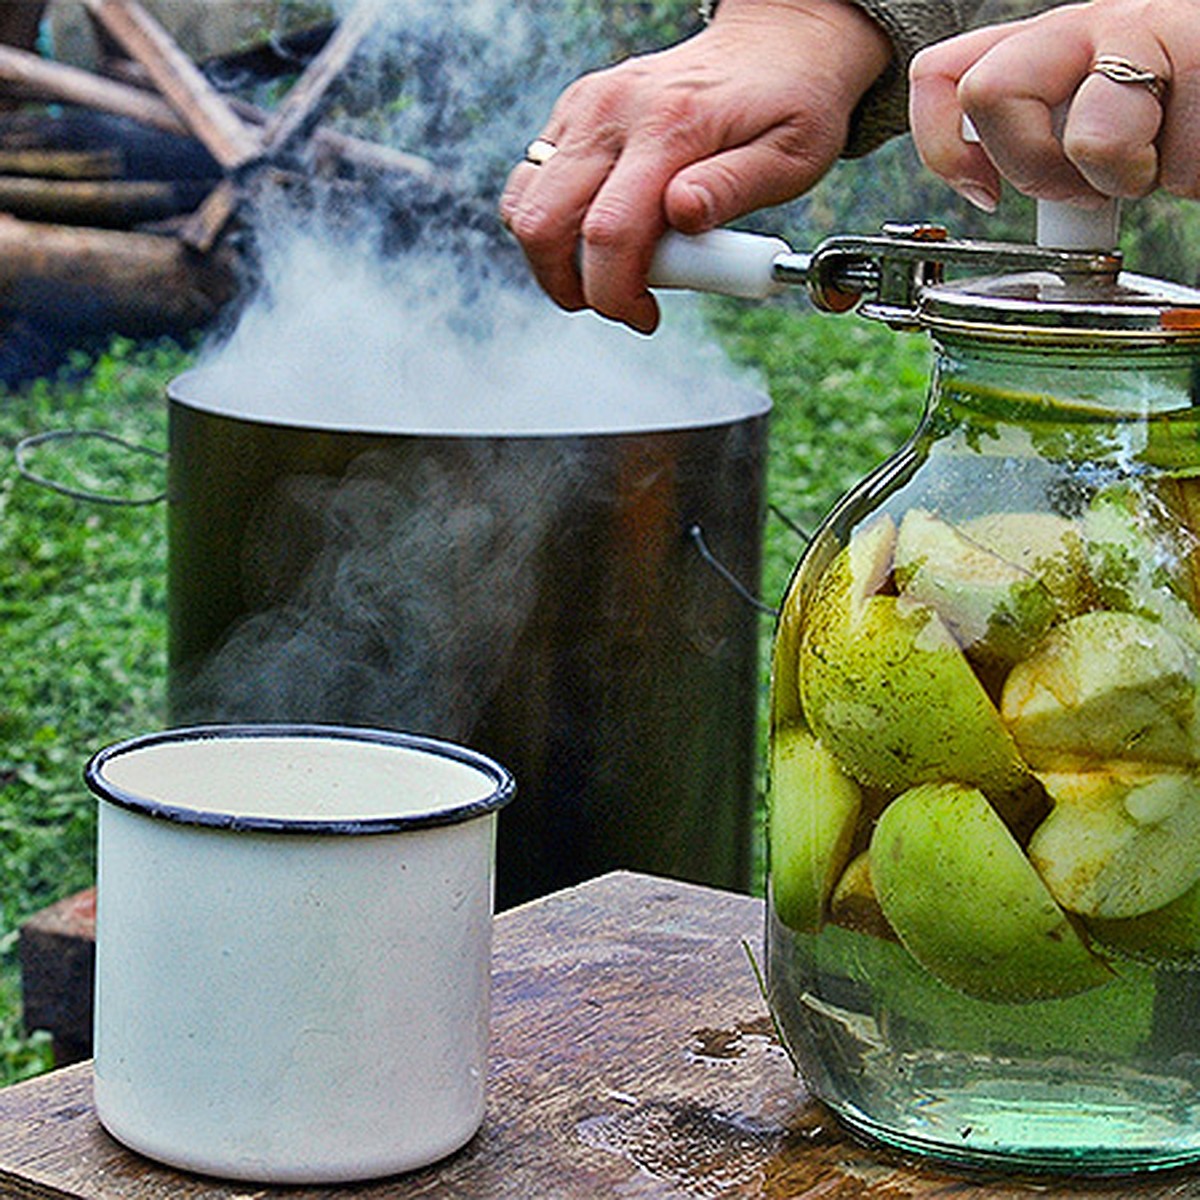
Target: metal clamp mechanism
point(885, 275)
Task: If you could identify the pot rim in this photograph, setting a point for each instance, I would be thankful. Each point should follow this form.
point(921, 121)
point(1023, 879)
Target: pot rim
point(503, 784)
point(741, 403)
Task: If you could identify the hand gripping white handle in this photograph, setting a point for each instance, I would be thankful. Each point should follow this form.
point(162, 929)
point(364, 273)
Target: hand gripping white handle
point(1063, 226)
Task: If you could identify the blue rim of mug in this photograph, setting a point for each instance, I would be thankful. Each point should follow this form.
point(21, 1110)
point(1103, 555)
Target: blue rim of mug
point(503, 784)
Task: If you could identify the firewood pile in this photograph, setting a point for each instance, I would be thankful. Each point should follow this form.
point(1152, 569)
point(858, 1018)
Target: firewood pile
point(90, 240)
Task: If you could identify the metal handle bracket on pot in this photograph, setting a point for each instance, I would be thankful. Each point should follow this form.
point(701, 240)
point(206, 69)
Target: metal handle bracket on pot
point(882, 275)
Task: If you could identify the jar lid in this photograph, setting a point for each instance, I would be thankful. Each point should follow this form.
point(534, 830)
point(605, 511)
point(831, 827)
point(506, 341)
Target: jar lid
point(1070, 308)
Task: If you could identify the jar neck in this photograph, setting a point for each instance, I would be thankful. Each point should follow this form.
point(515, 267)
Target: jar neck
point(1017, 381)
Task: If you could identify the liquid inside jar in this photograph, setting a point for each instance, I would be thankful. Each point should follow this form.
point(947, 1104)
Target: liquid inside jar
point(984, 897)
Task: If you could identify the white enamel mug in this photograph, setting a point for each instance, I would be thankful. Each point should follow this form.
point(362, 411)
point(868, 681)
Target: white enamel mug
point(293, 948)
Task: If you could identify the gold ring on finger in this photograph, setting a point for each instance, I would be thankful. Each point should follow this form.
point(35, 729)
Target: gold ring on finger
point(1121, 70)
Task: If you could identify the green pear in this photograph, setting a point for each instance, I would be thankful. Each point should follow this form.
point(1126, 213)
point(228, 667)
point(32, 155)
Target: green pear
point(967, 904)
point(1140, 558)
point(889, 691)
point(997, 610)
point(1120, 842)
point(813, 807)
point(1104, 687)
point(854, 904)
point(858, 570)
point(1168, 936)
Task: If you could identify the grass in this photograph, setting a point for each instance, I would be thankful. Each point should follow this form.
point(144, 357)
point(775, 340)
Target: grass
point(82, 584)
point(82, 630)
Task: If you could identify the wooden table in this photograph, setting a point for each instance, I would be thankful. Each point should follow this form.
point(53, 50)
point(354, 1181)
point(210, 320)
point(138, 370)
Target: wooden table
point(632, 1057)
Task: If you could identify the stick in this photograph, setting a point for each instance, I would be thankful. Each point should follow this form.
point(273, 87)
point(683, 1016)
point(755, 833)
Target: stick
point(303, 106)
point(199, 105)
point(31, 76)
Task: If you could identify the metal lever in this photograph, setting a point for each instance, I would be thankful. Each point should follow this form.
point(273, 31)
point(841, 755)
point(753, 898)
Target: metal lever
point(883, 274)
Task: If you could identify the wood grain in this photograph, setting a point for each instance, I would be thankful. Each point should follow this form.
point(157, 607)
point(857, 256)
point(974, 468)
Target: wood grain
point(631, 1056)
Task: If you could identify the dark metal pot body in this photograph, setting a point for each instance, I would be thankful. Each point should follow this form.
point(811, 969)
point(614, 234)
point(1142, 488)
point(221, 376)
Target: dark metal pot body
point(537, 597)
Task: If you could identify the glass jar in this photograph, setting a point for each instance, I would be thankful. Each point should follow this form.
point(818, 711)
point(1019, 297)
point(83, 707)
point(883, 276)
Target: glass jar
point(983, 932)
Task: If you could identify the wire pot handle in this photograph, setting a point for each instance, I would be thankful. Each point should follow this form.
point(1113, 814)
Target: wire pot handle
point(696, 533)
point(25, 445)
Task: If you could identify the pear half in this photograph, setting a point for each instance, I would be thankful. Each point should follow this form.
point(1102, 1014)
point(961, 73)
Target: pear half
point(997, 610)
point(967, 904)
point(1119, 843)
point(1104, 687)
point(1049, 547)
point(861, 568)
point(888, 690)
point(813, 808)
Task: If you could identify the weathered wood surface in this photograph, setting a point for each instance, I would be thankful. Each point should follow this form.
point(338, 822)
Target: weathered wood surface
point(631, 1056)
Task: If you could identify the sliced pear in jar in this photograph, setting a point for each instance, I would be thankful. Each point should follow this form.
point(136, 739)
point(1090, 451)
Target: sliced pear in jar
point(813, 808)
point(1050, 547)
point(1104, 687)
point(854, 904)
point(967, 904)
point(859, 569)
point(996, 609)
point(889, 691)
point(1121, 842)
point(1141, 558)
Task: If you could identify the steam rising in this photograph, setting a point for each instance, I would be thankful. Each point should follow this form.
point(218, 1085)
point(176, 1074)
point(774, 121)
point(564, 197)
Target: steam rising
point(343, 339)
point(396, 592)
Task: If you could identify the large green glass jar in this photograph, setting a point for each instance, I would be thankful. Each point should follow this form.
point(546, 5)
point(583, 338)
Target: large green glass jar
point(983, 935)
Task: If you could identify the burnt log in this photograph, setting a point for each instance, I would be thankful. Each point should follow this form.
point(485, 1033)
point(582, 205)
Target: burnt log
point(74, 281)
point(19, 21)
point(104, 204)
point(28, 76)
point(43, 163)
point(181, 83)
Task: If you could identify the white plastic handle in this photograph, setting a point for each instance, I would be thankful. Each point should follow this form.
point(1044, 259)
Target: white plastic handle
point(1063, 226)
point(729, 262)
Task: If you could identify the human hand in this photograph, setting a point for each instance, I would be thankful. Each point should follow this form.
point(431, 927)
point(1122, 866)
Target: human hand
point(750, 112)
point(1119, 138)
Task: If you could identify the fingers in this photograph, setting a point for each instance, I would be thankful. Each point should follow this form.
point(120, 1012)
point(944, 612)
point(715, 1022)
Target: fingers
point(936, 117)
point(749, 112)
point(1048, 121)
point(1110, 136)
point(588, 220)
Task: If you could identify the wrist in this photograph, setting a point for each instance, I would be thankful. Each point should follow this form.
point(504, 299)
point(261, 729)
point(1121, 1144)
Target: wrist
point(863, 46)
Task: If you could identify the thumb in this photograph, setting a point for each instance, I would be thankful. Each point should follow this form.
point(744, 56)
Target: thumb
point(734, 182)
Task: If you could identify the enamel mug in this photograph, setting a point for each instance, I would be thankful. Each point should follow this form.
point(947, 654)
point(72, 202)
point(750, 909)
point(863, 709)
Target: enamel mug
point(293, 948)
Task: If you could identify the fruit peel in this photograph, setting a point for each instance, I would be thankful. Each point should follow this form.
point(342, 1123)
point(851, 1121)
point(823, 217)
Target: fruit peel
point(968, 905)
point(891, 694)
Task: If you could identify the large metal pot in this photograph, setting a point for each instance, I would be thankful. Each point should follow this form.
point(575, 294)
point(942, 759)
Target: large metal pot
point(537, 595)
